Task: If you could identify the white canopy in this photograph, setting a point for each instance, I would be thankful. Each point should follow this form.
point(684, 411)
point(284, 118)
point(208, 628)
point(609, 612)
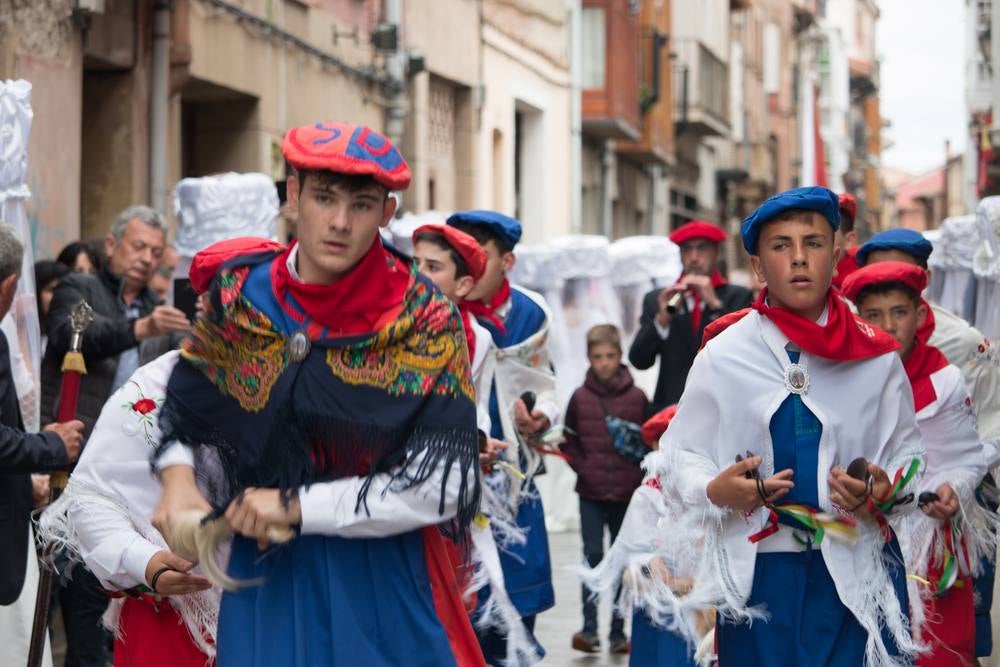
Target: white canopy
point(214, 208)
point(21, 324)
point(986, 265)
point(955, 287)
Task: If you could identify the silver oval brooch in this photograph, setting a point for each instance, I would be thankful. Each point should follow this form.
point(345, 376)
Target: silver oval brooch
point(298, 346)
point(796, 379)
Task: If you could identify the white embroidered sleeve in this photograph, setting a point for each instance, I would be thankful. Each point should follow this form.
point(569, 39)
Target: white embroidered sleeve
point(328, 508)
point(110, 545)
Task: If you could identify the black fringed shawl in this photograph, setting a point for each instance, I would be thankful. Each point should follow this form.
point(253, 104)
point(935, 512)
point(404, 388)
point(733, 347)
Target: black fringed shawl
point(354, 406)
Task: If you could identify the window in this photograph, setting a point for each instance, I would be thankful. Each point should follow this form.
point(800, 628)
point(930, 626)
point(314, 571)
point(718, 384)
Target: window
point(714, 79)
point(593, 47)
point(772, 58)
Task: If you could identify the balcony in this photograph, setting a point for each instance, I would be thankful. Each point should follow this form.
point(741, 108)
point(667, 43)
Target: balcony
point(656, 146)
point(701, 90)
point(610, 97)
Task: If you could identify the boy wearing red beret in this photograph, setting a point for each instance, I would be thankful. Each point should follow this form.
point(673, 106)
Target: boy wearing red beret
point(944, 544)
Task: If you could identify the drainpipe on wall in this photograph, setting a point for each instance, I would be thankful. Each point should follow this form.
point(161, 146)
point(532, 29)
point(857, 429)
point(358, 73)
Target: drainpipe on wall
point(395, 66)
point(159, 100)
point(608, 173)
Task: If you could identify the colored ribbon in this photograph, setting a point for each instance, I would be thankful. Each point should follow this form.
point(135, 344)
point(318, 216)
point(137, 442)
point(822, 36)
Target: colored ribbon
point(815, 523)
point(878, 509)
point(953, 568)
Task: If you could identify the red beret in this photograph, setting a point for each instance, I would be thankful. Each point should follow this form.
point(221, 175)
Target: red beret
point(848, 204)
point(346, 148)
point(910, 275)
point(464, 244)
point(698, 229)
point(656, 425)
point(206, 263)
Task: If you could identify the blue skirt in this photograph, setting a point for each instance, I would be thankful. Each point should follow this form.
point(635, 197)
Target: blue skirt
point(808, 625)
point(333, 602)
point(655, 647)
point(527, 568)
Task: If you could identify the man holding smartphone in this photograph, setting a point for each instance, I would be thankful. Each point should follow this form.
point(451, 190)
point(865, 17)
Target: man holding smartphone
point(127, 330)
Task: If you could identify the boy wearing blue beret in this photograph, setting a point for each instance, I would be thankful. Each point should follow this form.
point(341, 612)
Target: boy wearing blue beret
point(518, 319)
point(792, 455)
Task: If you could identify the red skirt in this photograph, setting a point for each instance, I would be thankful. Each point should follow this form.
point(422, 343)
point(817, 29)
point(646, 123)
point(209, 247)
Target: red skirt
point(950, 628)
point(154, 635)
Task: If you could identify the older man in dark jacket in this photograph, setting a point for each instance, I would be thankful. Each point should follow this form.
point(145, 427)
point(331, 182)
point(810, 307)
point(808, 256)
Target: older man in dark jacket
point(128, 317)
point(127, 331)
point(674, 318)
point(20, 455)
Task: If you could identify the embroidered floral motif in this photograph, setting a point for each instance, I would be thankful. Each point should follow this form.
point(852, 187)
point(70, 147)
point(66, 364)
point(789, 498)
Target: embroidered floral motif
point(403, 358)
point(142, 409)
point(243, 355)
point(987, 353)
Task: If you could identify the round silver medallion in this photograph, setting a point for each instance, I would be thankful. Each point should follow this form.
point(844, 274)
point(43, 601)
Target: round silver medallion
point(796, 379)
point(298, 346)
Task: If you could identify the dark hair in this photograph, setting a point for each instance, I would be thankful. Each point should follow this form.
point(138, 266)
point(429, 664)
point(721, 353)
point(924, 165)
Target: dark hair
point(885, 288)
point(846, 222)
point(67, 256)
point(350, 182)
point(483, 235)
point(461, 266)
point(46, 271)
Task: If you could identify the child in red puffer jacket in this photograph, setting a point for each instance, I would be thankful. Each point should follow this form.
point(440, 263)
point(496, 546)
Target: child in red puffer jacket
point(605, 478)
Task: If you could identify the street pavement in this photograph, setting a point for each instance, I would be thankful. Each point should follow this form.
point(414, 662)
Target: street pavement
point(555, 627)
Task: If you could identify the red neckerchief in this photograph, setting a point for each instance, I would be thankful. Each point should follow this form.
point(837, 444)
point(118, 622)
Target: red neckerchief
point(470, 333)
point(717, 282)
point(923, 361)
point(847, 265)
point(925, 330)
point(357, 303)
point(487, 311)
point(844, 337)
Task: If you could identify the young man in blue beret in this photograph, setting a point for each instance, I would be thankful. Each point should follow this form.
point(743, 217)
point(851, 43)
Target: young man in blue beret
point(518, 321)
point(791, 456)
point(968, 349)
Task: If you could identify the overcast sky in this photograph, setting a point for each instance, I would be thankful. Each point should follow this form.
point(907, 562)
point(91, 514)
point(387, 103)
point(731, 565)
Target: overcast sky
point(921, 44)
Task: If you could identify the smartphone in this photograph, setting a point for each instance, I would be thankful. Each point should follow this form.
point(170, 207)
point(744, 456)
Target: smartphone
point(185, 298)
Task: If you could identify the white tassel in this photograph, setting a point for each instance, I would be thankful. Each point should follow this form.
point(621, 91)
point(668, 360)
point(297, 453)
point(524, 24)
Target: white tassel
point(195, 540)
point(497, 611)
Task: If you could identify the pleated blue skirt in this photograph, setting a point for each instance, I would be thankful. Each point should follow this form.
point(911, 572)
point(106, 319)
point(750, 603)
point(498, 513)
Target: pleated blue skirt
point(808, 625)
point(655, 647)
point(332, 602)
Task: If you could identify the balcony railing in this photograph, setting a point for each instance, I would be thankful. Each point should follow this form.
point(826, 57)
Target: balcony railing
point(701, 89)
